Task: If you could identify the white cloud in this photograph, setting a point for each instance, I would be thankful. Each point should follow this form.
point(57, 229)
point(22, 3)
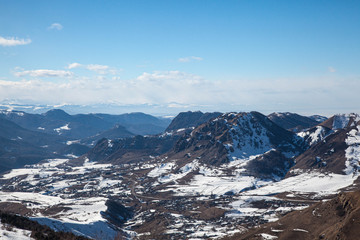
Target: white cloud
point(100, 69)
point(55, 26)
point(331, 69)
point(189, 59)
point(12, 41)
point(44, 73)
point(74, 65)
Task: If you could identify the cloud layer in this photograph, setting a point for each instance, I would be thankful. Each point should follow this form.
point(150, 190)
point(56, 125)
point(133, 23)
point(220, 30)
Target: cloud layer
point(12, 41)
point(176, 88)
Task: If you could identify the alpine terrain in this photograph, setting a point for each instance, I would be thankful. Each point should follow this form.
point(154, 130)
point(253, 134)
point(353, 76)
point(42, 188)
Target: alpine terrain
point(237, 175)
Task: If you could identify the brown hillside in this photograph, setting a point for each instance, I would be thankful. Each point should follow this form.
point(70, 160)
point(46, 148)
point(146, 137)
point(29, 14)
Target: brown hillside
point(338, 218)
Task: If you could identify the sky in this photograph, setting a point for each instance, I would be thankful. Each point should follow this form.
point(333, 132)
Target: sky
point(180, 55)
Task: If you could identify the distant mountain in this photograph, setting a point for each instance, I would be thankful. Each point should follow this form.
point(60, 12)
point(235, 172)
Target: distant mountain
point(114, 133)
point(58, 122)
point(190, 119)
point(137, 123)
point(19, 146)
point(57, 114)
point(292, 121)
point(80, 126)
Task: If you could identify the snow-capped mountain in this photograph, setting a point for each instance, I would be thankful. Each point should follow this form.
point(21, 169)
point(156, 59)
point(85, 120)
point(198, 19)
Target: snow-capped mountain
point(235, 136)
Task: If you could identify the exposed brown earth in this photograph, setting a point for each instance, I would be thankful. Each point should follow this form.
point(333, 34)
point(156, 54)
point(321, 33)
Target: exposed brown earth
point(338, 218)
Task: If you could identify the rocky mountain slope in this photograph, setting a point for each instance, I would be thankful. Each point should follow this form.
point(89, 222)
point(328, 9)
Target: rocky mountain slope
point(334, 145)
point(190, 119)
point(292, 121)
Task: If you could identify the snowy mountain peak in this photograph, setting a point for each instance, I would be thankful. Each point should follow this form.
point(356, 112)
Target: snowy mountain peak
point(242, 135)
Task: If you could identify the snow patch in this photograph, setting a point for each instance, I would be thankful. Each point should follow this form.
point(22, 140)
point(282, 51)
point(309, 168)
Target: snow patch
point(65, 127)
point(266, 236)
point(310, 182)
point(314, 137)
point(352, 153)
point(164, 168)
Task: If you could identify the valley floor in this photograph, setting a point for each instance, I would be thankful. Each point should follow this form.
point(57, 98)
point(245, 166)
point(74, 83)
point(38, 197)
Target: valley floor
point(211, 205)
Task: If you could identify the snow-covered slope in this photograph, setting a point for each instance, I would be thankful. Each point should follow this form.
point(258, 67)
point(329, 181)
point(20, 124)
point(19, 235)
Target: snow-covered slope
point(63, 198)
point(238, 136)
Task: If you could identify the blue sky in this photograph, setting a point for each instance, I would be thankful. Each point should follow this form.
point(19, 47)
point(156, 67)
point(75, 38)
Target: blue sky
point(298, 56)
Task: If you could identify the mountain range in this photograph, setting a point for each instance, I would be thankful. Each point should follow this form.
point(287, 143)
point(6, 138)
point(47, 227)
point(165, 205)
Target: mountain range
point(203, 176)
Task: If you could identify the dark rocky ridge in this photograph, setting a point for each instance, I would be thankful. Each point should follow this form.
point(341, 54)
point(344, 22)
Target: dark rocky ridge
point(292, 121)
point(190, 119)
